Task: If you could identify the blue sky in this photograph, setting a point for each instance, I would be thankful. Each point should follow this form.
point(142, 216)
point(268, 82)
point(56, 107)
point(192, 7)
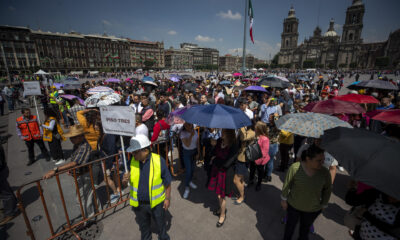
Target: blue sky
point(210, 23)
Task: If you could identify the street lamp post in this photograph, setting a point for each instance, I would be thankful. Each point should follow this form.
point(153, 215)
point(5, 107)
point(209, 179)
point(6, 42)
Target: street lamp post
point(5, 63)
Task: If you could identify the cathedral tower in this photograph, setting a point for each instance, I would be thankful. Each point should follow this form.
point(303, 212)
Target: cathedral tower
point(290, 32)
point(354, 23)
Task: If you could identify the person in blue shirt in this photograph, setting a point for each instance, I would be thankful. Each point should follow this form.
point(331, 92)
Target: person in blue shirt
point(386, 104)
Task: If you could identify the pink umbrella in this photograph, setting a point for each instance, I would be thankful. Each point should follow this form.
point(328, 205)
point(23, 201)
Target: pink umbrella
point(237, 74)
point(113, 80)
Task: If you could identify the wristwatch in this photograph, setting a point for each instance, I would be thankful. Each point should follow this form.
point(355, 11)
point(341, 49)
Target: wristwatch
point(55, 169)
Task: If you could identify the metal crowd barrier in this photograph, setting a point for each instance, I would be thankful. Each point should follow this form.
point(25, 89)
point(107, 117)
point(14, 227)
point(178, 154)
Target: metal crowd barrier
point(71, 227)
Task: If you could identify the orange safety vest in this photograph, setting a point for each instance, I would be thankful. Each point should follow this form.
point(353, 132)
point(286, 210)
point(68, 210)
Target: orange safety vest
point(29, 128)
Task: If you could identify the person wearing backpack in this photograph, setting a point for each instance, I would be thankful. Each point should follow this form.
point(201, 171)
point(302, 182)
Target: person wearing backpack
point(161, 133)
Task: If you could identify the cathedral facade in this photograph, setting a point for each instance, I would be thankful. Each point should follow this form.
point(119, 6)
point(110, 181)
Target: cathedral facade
point(329, 50)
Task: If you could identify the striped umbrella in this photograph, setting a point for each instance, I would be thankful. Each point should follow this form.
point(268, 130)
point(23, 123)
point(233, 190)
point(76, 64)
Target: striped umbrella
point(99, 89)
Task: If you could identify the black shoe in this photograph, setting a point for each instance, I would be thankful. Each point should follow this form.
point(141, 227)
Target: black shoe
point(258, 187)
point(219, 224)
point(250, 183)
point(269, 178)
point(30, 163)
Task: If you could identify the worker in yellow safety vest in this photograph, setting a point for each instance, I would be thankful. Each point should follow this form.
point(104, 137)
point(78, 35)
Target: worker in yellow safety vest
point(150, 187)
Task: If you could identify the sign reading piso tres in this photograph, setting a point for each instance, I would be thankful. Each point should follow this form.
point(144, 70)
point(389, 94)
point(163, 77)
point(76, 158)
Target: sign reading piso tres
point(118, 120)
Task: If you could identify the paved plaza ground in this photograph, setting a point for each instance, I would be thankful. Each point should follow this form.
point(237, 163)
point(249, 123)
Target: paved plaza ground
point(258, 218)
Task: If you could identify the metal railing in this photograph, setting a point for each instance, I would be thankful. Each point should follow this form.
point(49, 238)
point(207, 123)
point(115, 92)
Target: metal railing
point(76, 172)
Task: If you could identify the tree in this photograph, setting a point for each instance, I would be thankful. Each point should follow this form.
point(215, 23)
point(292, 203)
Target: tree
point(342, 65)
point(149, 63)
point(381, 62)
point(353, 65)
point(320, 66)
point(261, 65)
point(308, 64)
point(331, 66)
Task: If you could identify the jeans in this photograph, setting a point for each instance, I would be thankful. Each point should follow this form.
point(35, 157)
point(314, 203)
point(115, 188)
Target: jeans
point(284, 150)
point(86, 193)
point(306, 220)
point(188, 159)
point(144, 213)
point(7, 196)
point(31, 149)
point(273, 150)
point(10, 104)
point(66, 120)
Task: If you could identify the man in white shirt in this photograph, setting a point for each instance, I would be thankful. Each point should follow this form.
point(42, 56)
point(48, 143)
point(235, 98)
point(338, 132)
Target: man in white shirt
point(244, 107)
point(140, 127)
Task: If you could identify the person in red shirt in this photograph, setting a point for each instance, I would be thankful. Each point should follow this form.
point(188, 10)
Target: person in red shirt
point(160, 133)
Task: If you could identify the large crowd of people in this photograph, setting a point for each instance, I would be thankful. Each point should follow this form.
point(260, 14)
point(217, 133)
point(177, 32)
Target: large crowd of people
point(310, 171)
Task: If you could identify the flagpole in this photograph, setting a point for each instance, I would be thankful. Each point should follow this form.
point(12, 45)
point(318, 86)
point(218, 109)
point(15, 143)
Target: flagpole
point(244, 36)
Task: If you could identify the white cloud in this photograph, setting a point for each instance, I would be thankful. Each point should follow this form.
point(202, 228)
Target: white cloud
point(105, 22)
point(200, 38)
point(263, 49)
point(221, 39)
point(278, 45)
point(145, 38)
point(338, 27)
point(11, 8)
point(235, 51)
point(172, 32)
point(229, 15)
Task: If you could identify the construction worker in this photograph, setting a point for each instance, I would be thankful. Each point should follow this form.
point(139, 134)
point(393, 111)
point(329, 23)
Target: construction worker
point(150, 183)
point(28, 130)
point(53, 100)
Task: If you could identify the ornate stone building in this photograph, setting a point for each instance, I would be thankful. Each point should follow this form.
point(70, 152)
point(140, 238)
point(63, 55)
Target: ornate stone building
point(329, 50)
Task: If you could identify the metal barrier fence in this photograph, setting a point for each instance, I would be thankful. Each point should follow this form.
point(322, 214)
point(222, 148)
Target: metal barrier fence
point(76, 172)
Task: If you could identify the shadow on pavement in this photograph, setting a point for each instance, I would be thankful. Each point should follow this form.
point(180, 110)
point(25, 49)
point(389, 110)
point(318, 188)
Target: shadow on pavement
point(335, 213)
point(3, 230)
point(30, 195)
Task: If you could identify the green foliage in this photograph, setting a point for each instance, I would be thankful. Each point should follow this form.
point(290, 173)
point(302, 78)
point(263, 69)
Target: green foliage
point(320, 66)
point(149, 63)
point(261, 65)
point(308, 64)
point(381, 62)
point(342, 65)
point(353, 65)
point(287, 65)
point(206, 67)
point(105, 69)
point(331, 66)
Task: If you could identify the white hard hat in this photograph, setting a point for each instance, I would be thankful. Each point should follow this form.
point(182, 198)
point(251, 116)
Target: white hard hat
point(61, 92)
point(138, 142)
point(335, 85)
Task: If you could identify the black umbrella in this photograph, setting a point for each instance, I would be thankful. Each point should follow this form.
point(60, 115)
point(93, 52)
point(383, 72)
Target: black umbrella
point(186, 77)
point(379, 84)
point(190, 86)
point(368, 157)
point(273, 82)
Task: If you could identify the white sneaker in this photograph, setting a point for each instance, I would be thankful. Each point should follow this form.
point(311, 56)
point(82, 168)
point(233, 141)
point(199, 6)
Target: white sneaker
point(341, 168)
point(186, 193)
point(61, 161)
point(192, 185)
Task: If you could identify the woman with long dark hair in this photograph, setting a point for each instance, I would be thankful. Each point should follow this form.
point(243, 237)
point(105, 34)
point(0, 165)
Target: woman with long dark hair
point(222, 171)
point(53, 134)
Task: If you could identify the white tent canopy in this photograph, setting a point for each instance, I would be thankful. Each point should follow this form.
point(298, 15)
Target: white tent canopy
point(41, 72)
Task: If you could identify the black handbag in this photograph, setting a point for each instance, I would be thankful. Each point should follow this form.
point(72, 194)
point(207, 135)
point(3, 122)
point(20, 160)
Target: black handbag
point(253, 152)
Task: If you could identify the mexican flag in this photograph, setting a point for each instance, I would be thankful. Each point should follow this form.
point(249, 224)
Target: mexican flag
point(107, 55)
point(251, 16)
point(115, 56)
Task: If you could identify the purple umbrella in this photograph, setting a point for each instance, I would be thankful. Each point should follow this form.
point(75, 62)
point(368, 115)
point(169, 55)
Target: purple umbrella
point(255, 88)
point(174, 117)
point(174, 79)
point(113, 80)
point(58, 85)
point(71, 97)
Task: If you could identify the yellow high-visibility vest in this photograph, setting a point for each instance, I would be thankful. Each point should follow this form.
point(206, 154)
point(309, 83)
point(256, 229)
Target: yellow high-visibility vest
point(156, 186)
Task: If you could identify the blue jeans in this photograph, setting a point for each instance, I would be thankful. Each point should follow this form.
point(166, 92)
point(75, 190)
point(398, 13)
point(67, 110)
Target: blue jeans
point(66, 120)
point(10, 104)
point(189, 164)
point(273, 150)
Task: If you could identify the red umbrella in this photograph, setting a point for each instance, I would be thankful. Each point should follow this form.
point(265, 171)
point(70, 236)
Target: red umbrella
point(333, 106)
point(357, 98)
point(390, 116)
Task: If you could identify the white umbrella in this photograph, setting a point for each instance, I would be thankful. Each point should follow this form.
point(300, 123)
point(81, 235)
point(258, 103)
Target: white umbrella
point(41, 72)
point(100, 89)
point(150, 83)
point(102, 99)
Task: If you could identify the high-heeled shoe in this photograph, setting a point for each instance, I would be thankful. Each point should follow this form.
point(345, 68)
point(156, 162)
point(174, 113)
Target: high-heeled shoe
point(219, 224)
